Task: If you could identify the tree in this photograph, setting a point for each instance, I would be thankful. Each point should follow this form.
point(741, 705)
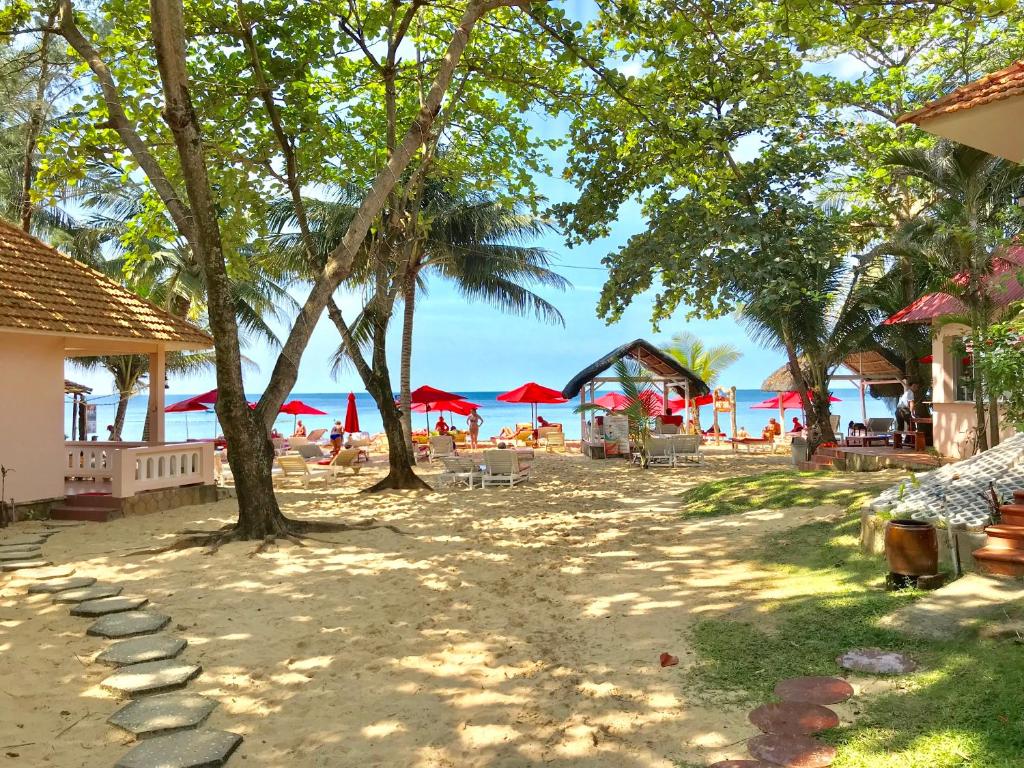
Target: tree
point(970, 214)
point(707, 362)
point(226, 152)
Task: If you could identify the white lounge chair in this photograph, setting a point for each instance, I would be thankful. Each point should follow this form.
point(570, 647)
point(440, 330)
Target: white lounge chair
point(659, 451)
point(294, 467)
point(502, 468)
point(346, 458)
point(315, 435)
point(554, 441)
point(834, 419)
point(460, 470)
point(310, 451)
point(686, 449)
point(441, 446)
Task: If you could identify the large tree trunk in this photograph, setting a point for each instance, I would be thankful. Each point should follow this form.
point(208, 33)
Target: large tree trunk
point(993, 420)
point(35, 127)
point(119, 414)
point(400, 474)
point(405, 374)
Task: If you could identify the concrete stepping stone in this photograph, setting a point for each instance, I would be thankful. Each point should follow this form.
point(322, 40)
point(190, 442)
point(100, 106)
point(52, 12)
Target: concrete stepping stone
point(24, 565)
point(189, 749)
point(27, 538)
point(62, 523)
point(163, 714)
point(792, 751)
point(20, 554)
point(793, 718)
point(107, 605)
point(95, 592)
point(56, 572)
point(18, 547)
point(816, 690)
point(128, 624)
point(142, 649)
point(60, 585)
point(876, 661)
point(741, 764)
point(151, 677)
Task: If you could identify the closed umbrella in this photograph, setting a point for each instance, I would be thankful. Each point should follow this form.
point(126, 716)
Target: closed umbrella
point(532, 393)
point(351, 415)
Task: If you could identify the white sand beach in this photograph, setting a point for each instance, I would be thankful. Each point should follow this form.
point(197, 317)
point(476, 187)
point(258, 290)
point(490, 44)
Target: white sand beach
point(504, 628)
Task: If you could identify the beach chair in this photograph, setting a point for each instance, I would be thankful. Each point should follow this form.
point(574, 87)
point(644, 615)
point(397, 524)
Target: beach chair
point(294, 467)
point(346, 458)
point(502, 468)
point(553, 440)
point(834, 420)
point(441, 446)
point(880, 425)
point(659, 451)
point(686, 449)
point(279, 445)
point(523, 435)
point(315, 435)
point(784, 441)
point(461, 470)
point(297, 440)
point(310, 451)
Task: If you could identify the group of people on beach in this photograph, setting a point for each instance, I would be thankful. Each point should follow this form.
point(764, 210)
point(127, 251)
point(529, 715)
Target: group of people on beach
point(473, 423)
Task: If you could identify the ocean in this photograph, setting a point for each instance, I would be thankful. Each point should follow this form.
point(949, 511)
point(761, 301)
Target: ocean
point(495, 413)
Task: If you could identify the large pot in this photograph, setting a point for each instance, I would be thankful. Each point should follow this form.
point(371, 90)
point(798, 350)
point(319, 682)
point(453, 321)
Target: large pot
point(912, 548)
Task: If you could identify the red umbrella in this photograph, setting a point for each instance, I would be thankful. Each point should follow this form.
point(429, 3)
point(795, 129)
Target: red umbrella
point(186, 406)
point(616, 401)
point(351, 415)
point(790, 400)
point(461, 407)
point(532, 393)
point(298, 408)
point(429, 397)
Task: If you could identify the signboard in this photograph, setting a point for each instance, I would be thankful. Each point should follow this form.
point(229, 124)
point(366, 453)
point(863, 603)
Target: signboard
point(723, 403)
point(616, 430)
point(90, 419)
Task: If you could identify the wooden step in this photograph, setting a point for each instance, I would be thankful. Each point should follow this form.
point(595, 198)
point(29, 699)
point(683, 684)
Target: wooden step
point(1012, 514)
point(1000, 562)
point(91, 500)
point(1007, 537)
point(86, 514)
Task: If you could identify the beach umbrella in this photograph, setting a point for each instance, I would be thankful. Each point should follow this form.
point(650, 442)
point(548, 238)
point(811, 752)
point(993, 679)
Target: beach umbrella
point(351, 415)
point(534, 394)
point(429, 396)
point(298, 408)
point(186, 406)
point(785, 401)
point(616, 401)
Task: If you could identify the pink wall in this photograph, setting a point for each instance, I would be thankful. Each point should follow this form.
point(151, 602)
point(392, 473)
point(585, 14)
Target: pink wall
point(32, 416)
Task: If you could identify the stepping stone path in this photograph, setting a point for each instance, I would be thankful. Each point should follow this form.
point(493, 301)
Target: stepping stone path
point(876, 661)
point(160, 715)
point(741, 764)
point(61, 524)
point(816, 690)
point(792, 751)
point(22, 565)
point(128, 624)
point(191, 749)
point(793, 718)
point(95, 592)
point(60, 585)
point(107, 605)
point(142, 649)
point(151, 677)
point(147, 665)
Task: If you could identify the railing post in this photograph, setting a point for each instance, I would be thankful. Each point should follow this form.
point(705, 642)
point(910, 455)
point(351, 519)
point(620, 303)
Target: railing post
point(122, 474)
point(206, 463)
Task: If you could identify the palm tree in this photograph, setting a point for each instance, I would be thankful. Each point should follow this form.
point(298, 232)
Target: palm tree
point(708, 362)
point(971, 213)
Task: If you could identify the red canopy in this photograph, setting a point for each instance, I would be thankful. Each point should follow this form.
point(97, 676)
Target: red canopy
point(531, 392)
point(429, 395)
point(790, 400)
point(186, 406)
point(207, 398)
point(616, 401)
point(299, 408)
point(351, 415)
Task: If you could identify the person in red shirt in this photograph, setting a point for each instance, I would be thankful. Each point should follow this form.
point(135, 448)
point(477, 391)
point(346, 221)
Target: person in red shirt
point(668, 418)
point(442, 426)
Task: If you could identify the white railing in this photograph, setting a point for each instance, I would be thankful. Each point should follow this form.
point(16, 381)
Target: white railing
point(134, 467)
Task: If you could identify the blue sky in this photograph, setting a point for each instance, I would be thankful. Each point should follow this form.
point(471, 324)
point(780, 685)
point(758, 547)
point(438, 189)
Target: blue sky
point(472, 347)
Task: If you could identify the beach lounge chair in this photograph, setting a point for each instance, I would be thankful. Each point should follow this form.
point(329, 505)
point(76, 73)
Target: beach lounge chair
point(310, 451)
point(524, 434)
point(441, 446)
point(502, 468)
point(659, 451)
point(686, 449)
point(834, 419)
point(461, 470)
point(783, 442)
point(346, 458)
point(880, 425)
point(553, 440)
point(297, 440)
point(279, 443)
point(294, 467)
point(315, 435)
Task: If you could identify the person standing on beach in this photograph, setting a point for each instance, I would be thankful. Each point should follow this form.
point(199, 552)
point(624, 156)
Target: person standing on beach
point(473, 421)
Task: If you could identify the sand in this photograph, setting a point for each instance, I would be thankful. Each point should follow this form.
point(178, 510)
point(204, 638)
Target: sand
point(505, 628)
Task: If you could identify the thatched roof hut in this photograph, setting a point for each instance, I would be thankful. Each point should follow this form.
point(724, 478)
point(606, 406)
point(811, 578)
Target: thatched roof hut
point(660, 364)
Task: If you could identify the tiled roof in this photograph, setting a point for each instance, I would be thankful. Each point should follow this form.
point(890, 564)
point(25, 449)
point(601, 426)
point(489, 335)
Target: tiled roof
point(1003, 288)
point(42, 289)
point(992, 87)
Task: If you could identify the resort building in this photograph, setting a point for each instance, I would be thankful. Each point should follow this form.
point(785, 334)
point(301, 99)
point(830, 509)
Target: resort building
point(53, 307)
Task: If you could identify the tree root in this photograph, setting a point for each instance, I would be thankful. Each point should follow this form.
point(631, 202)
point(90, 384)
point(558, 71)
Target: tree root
point(295, 531)
point(390, 482)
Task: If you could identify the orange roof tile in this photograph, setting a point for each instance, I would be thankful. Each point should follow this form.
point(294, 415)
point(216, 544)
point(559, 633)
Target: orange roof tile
point(992, 87)
point(44, 290)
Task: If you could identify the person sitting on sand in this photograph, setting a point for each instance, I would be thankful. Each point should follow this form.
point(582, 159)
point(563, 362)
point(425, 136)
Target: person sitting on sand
point(442, 426)
point(300, 429)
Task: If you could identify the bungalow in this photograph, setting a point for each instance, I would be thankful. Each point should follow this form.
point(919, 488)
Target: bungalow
point(52, 308)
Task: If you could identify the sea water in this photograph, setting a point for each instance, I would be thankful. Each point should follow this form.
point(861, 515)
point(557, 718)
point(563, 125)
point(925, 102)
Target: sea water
point(496, 414)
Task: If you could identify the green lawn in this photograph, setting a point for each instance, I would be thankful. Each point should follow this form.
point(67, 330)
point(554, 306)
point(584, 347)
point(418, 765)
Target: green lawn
point(962, 710)
point(777, 490)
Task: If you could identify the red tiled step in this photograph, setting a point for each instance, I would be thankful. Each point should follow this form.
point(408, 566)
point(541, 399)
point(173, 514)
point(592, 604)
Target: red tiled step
point(1012, 514)
point(1018, 497)
point(84, 513)
point(91, 500)
point(1000, 562)
point(1008, 537)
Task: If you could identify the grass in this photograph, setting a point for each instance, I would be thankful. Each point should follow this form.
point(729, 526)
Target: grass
point(962, 709)
point(775, 490)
